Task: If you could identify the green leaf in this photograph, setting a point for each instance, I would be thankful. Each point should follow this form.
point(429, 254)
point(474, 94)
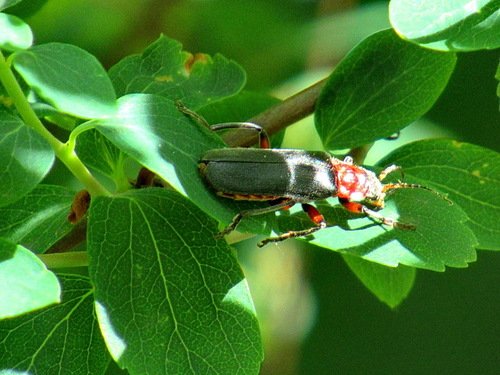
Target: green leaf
point(27, 284)
point(60, 339)
point(98, 153)
point(69, 78)
point(8, 3)
point(154, 132)
point(170, 298)
point(441, 238)
point(25, 158)
point(469, 174)
point(39, 219)
point(451, 25)
point(389, 285)
point(164, 69)
point(14, 33)
point(379, 88)
point(151, 129)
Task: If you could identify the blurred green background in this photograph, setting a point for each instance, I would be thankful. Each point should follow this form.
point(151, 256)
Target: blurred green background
point(316, 317)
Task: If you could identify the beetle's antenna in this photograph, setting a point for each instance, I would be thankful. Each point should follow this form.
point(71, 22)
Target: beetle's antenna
point(389, 170)
point(389, 188)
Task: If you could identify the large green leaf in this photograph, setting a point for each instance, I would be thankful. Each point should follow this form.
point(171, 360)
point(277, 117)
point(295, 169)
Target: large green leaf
point(60, 339)
point(26, 284)
point(170, 298)
point(151, 129)
point(14, 33)
point(154, 132)
point(39, 219)
point(391, 285)
point(164, 69)
point(441, 238)
point(69, 78)
point(25, 158)
point(469, 174)
point(448, 25)
point(379, 88)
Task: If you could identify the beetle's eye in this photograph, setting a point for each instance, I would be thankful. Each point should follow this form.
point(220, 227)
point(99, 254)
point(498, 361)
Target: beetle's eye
point(348, 160)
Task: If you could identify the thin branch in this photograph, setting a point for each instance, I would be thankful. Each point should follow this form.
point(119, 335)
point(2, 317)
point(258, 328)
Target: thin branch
point(70, 240)
point(279, 116)
point(65, 260)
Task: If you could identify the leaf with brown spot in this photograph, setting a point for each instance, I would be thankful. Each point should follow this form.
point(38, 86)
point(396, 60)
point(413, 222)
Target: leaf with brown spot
point(165, 69)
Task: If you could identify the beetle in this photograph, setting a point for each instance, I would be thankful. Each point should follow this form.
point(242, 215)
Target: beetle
point(285, 177)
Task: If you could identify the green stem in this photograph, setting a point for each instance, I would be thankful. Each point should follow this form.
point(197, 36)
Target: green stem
point(64, 151)
point(82, 128)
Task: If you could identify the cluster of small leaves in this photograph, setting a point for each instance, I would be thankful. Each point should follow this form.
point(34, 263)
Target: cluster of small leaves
point(168, 296)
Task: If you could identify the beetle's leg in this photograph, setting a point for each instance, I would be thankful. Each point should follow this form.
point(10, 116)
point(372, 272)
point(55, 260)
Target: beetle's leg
point(315, 216)
point(359, 208)
point(263, 137)
point(388, 170)
point(264, 141)
point(389, 188)
point(287, 203)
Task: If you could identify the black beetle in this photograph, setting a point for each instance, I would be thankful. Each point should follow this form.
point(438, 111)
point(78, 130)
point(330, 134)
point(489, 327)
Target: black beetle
point(285, 177)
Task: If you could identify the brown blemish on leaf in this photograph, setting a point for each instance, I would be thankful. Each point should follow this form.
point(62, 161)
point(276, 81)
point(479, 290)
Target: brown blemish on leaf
point(79, 207)
point(193, 59)
point(165, 78)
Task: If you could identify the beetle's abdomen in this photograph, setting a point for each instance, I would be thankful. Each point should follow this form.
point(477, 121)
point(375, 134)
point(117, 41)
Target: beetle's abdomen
point(267, 174)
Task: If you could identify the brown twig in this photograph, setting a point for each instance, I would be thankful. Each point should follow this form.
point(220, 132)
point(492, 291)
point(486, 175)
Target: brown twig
point(70, 240)
point(279, 116)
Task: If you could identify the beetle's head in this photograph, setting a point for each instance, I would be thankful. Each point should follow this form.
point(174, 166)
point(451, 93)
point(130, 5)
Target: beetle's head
point(357, 183)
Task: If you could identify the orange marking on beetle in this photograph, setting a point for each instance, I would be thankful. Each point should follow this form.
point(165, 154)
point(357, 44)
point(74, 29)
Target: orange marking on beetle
point(353, 207)
point(264, 142)
point(248, 197)
point(350, 180)
point(313, 213)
